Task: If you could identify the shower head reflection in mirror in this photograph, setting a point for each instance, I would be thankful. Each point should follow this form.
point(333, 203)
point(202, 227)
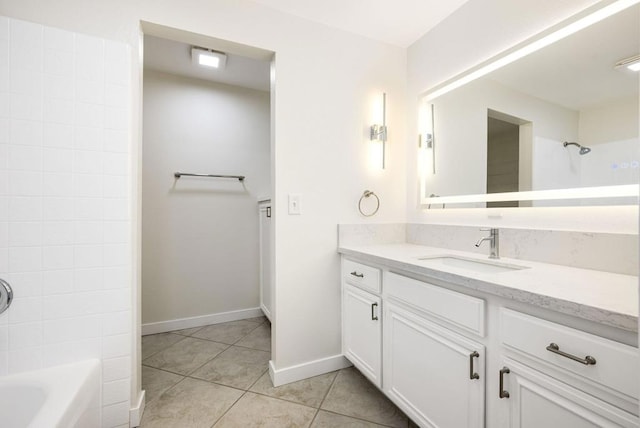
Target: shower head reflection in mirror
point(583, 150)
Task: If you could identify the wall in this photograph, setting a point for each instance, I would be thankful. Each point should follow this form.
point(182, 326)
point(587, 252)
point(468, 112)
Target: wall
point(201, 233)
point(490, 27)
point(326, 81)
point(65, 242)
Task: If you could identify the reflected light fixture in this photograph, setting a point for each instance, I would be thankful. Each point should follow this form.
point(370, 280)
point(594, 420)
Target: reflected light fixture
point(208, 58)
point(631, 63)
point(379, 132)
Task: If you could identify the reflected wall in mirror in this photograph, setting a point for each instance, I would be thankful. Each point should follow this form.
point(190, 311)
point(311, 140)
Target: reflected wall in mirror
point(563, 117)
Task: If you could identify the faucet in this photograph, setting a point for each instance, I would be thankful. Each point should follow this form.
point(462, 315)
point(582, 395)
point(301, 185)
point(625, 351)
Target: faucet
point(494, 240)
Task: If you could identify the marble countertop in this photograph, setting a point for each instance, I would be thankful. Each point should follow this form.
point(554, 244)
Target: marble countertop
point(602, 297)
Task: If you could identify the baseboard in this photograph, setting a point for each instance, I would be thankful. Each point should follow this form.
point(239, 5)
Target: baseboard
point(303, 371)
point(182, 323)
point(135, 413)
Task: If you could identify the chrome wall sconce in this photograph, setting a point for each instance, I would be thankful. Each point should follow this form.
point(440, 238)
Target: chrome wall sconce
point(379, 132)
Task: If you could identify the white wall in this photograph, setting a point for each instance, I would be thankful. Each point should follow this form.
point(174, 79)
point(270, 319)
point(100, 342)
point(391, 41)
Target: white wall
point(65, 241)
point(477, 31)
point(326, 81)
point(200, 235)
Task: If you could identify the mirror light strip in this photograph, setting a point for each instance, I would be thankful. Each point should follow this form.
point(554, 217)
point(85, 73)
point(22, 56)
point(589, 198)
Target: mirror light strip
point(626, 190)
point(531, 47)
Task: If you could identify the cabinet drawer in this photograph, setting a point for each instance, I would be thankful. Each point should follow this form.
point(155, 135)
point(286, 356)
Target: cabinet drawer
point(456, 308)
point(616, 364)
point(363, 276)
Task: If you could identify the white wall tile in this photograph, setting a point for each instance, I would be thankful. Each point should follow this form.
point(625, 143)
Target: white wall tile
point(88, 280)
point(4, 260)
point(26, 132)
point(4, 338)
point(56, 282)
point(26, 82)
point(57, 233)
point(116, 141)
point(88, 256)
point(116, 163)
point(116, 323)
point(88, 232)
point(25, 309)
point(57, 160)
point(4, 208)
point(25, 183)
point(92, 92)
point(57, 257)
point(4, 130)
point(57, 184)
point(23, 360)
point(116, 368)
point(26, 45)
point(115, 392)
point(4, 234)
point(60, 87)
point(71, 329)
point(88, 138)
point(4, 156)
point(55, 38)
point(116, 300)
point(4, 76)
point(116, 186)
point(58, 135)
point(57, 209)
point(115, 415)
point(58, 111)
point(115, 346)
point(26, 107)
point(25, 335)
point(91, 115)
point(117, 63)
point(5, 104)
point(117, 232)
point(25, 208)
point(25, 259)
point(4, 182)
point(116, 277)
point(4, 28)
point(4, 363)
point(58, 62)
point(117, 95)
point(27, 284)
point(89, 209)
point(25, 158)
point(87, 162)
point(23, 234)
point(116, 118)
point(117, 209)
point(117, 255)
point(88, 185)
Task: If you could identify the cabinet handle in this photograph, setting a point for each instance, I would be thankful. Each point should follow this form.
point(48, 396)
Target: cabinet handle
point(268, 212)
point(587, 361)
point(503, 393)
point(357, 275)
point(473, 375)
point(374, 317)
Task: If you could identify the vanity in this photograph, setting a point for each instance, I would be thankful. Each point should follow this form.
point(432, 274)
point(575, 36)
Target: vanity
point(455, 339)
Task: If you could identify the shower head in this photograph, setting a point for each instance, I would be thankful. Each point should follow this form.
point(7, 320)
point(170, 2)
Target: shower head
point(583, 149)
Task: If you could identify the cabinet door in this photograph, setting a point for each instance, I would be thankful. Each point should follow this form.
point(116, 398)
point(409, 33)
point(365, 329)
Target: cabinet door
point(537, 400)
point(435, 375)
point(265, 259)
point(362, 331)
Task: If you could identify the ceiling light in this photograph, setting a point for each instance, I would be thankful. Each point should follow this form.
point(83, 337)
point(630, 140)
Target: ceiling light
point(208, 58)
point(631, 63)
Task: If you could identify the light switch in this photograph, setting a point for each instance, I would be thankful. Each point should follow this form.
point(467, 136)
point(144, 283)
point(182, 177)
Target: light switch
point(294, 204)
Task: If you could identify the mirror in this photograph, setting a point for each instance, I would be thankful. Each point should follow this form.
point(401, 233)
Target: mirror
point(558, 126)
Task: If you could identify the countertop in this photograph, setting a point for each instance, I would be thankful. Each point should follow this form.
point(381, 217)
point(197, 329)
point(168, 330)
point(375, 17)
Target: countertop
point(602, 297)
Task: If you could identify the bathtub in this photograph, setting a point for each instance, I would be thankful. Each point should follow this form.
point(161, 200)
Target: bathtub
point(66, 396)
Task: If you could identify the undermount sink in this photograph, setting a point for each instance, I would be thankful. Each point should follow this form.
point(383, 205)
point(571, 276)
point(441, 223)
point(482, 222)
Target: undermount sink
point(480, 266)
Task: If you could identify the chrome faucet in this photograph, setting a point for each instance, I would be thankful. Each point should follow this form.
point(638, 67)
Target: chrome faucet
point(494, 240)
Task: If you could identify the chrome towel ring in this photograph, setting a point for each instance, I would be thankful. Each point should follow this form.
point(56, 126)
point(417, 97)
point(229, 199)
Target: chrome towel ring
point(366, 194)
point(6, 295)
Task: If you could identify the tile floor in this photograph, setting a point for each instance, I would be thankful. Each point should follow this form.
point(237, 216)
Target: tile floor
point(217, 376)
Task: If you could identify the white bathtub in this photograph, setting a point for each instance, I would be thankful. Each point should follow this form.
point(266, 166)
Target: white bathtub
point(65, 396)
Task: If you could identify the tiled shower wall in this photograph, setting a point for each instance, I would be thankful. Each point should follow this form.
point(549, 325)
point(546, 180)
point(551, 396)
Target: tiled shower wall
point(65, 240)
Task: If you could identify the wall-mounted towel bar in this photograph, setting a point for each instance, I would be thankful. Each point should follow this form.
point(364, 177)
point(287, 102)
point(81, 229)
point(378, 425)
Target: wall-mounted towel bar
point(180, 174)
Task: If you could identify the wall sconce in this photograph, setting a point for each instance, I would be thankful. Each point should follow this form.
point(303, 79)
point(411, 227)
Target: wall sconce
point(379, 132)
point(426, 140)
point(208, 58)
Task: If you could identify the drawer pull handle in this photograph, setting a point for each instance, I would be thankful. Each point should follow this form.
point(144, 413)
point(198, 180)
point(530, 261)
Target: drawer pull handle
point(472, 374)
point(357, 275)
point(587, 361)
point(503, 393)
point(374, 317)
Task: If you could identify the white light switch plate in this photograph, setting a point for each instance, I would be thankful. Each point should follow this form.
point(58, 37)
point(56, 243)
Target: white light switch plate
point(294, 204)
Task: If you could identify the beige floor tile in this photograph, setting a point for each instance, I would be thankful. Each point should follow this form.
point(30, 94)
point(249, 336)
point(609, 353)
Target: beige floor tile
point(260, 338)
point(187, 331)
point(185, 356)
point(237, 367)
point(333, 420)
point(308, 391)
point(353, 395)
point(191, 403)
point(157, 342)
point(155, 382)
point(254, 411)
point(228, 332)
point(257, 319)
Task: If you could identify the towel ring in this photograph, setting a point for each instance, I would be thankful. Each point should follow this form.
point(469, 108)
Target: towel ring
point(366, 194)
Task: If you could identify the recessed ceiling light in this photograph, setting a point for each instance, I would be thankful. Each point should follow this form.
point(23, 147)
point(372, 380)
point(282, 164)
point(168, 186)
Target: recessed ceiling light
point(208, 58)
point(631, 63)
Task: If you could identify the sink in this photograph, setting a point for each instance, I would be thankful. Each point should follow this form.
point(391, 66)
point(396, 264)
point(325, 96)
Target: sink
point(479, 266)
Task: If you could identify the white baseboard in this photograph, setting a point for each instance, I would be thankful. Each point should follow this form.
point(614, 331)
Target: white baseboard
point(135, 413)
point(303, 371)
point(182, 323)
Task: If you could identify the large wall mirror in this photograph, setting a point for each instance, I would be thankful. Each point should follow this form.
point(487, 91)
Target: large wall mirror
point(558, 126)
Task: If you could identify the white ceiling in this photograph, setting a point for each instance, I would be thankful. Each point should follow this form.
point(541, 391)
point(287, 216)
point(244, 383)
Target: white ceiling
point(399, 22)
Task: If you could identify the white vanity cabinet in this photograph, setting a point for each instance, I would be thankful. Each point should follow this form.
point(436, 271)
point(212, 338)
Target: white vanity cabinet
point(361, 319)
